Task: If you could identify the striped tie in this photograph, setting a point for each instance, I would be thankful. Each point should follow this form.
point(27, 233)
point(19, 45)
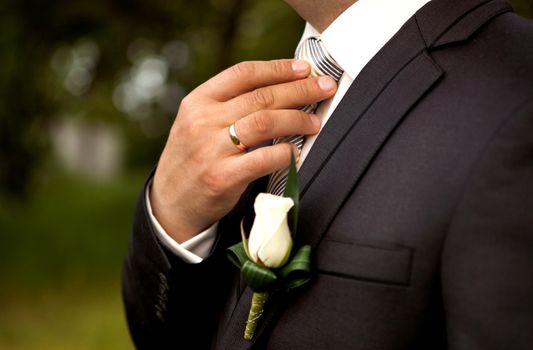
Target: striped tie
point(313, 51)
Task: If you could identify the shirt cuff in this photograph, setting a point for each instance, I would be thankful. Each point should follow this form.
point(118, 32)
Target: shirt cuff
point(192, 251)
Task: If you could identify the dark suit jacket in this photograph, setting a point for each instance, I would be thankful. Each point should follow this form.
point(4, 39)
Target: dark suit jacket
point(417, 198)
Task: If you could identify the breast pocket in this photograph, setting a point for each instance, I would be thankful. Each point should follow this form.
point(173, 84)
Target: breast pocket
point(369, 262)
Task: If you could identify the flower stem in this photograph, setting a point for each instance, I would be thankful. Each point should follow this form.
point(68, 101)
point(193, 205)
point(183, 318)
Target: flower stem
point(256, 310)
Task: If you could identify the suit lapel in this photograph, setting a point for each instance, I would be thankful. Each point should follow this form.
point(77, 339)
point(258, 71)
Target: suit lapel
point(452, 21)
point(379, 98)
point(392, 82)
point(375, 104)
point(365, 89)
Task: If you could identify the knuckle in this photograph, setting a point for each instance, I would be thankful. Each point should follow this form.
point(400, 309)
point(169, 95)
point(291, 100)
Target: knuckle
point(262, 123)
point(278, 67)
point(305, 118)
point(287, 149)
point(196, 127)
point(262, 98)
point(243, 69)
point(302, 88)
point(186, 104)
point(188, 109)
point(215, 181)
point(259, 163)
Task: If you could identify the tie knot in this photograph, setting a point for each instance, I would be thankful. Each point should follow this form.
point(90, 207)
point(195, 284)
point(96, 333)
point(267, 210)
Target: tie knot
point(314, 52)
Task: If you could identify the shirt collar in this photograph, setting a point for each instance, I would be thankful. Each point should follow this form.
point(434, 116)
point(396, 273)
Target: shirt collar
point(363, 29)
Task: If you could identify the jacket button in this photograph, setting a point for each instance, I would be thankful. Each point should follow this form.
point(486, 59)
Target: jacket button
point(161, 305)
point(159, 314)
point(163, 279)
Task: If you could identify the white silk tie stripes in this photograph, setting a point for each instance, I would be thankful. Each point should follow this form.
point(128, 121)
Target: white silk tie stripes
point(313, 51)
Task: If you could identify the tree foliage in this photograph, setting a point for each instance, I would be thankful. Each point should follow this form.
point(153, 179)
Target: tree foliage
point(123, 63)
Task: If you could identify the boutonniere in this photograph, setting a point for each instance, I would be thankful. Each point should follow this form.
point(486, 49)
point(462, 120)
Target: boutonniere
point(266, 258)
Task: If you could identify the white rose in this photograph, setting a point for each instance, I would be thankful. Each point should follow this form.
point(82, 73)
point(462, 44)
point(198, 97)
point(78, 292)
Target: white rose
point(270, 241)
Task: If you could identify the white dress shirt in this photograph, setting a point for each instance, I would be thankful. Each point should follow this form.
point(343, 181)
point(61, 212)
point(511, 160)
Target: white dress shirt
point(352, 40)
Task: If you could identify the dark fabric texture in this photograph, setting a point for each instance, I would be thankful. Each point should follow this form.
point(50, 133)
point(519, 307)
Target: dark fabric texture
point(417, 198)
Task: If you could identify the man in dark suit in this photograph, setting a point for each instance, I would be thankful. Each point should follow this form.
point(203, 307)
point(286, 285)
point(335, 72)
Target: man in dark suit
point(417, 194)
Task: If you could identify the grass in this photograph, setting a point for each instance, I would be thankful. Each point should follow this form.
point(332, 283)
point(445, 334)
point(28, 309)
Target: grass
point(61, 253)
point(69, 317)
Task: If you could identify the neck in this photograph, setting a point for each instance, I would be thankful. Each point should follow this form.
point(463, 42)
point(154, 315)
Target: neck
point(320, 13)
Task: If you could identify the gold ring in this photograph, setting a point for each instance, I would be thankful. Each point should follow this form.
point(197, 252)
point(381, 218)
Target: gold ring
point(235, 139)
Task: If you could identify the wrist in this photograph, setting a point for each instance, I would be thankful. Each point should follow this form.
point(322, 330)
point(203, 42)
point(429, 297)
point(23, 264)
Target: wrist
point(173, 220)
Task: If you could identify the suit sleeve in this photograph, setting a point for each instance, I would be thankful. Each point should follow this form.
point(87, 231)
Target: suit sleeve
point(191, 251)
point(170, 303)
point(487, 259)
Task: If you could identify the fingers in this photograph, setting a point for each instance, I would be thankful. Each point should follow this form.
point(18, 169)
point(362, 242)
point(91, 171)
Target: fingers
point(199, 179)
point(250, 166)
point(261, 126)
point(282, 96)
point(247, 76)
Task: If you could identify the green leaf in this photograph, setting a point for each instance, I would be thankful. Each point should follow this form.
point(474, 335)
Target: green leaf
point(256, 277)
point(237, 255)
point(245, 241)
point(297, 271)
point(292, 191)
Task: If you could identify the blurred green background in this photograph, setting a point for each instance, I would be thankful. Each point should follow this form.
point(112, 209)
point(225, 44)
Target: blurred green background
point(89, 90)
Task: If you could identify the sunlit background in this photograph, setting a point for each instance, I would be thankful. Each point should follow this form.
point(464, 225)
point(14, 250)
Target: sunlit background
point(88, 91)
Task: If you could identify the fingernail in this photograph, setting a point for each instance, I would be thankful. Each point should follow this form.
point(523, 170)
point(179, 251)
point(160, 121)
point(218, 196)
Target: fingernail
point(300, 66)
point(326, 83)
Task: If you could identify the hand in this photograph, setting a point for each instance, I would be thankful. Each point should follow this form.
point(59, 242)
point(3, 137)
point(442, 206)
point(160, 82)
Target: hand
point(201, 173)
